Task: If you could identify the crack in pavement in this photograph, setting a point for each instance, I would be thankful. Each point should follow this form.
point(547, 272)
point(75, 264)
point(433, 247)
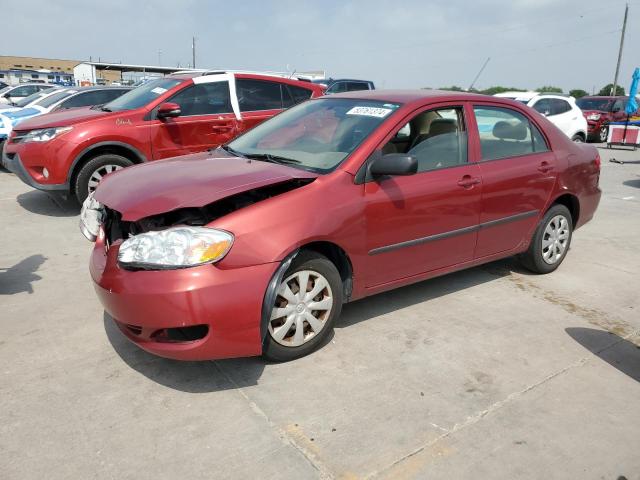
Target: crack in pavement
point(310, 457)
point(472, 420)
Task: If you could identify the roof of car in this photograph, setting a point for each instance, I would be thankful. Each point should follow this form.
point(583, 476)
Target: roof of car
point(407, 96)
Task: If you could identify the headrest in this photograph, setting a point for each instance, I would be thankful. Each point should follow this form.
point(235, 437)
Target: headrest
point(442, 125)
point(506, 131)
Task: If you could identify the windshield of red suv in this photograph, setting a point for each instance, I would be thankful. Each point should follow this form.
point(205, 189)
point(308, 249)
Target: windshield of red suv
point(316, 135)
point(602, 104)
point(142, 95)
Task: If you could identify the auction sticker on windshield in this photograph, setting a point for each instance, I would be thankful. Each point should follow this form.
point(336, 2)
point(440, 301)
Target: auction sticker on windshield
point(370, 111)
point(159, 90)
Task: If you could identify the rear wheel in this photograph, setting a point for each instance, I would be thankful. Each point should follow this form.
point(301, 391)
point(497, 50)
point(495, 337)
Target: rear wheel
point(94, 170)
point(550, 242)
point(308, 301)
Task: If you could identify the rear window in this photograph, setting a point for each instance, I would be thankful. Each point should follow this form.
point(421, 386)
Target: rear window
point(143, 95)
point(602, 104)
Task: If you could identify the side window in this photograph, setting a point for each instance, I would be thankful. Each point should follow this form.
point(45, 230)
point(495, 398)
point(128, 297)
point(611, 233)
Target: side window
point(506, 133)
point(256, 95)
point(337, 87)
point(618, 106)
point(355, 86)
point(299, 94)
point(436, 138)
point(204, 99)
point(544, 106)
point(24, 91)
point(560, 106)
point(79, 100)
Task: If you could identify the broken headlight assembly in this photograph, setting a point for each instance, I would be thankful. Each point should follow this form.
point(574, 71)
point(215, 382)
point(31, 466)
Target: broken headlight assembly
point(176, 247)
point(91, 218)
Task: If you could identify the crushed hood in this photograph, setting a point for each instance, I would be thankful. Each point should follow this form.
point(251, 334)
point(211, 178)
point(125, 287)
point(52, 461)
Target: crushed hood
point(190, 181)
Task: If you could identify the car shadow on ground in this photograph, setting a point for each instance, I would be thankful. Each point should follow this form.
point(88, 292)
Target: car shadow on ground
point(19, 278)
point(632, 183)
point(211, 376)
point(40, 203)
point(613, 349)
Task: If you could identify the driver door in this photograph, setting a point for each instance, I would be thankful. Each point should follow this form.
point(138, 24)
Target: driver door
point(426, 221)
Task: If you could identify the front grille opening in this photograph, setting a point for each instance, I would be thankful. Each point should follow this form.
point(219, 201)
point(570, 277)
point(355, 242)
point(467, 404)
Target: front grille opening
point(180, 334)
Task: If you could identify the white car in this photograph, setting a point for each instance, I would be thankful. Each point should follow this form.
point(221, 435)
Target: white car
point(27, 101)
point(14, 93)
point(561, 110)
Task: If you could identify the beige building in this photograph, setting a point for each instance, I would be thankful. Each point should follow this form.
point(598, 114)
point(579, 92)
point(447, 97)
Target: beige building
point(14, 70)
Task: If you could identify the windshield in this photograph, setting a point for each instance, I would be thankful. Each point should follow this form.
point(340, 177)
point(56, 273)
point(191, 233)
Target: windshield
point(602, 104)
point(46, 102)
point(316, 135)
point(31, 98)
point(142, 95)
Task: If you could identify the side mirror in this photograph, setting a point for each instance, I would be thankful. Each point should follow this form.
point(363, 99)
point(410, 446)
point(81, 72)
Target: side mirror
point(393, 164)
point(168, 110)
point(7, 95)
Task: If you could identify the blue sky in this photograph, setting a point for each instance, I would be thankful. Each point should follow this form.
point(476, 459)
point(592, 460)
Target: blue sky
point(402, 44)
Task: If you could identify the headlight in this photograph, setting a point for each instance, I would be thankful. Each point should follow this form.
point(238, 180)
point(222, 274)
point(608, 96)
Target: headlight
point(593, 116)
point(45, 134)
point(91, 218)
point(175, 247)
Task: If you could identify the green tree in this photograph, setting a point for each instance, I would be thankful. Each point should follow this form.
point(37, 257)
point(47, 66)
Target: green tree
point(549, 89)
point(452, 88)
point(606, 90)
point(500, 89)
point(578, 93)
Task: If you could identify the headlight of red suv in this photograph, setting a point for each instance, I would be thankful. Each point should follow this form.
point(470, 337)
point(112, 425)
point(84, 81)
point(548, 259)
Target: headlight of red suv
point(44, 134)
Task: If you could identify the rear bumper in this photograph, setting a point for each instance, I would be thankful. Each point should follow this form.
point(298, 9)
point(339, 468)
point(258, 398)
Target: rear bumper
point(13, 163)
point(145, 304)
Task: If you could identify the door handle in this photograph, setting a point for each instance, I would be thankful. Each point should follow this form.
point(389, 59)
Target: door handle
point(468, 181)
point(545, 167)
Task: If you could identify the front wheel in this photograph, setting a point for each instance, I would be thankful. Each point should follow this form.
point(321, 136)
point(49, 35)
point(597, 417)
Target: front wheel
point(603, 134)
point(550, 242)
point(92, 172)
point(577, 138)
point(308, 301)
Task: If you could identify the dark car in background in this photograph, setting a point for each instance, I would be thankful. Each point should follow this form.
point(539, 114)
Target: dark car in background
point(599, 112)
point(341, 85)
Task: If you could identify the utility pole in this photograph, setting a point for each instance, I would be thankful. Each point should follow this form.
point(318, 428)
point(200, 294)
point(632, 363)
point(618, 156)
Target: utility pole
point(193, 52)
point(479, 73)
point(624, 29)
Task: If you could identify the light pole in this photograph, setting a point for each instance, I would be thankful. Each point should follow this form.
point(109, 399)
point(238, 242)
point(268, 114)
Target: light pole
point(624, 29)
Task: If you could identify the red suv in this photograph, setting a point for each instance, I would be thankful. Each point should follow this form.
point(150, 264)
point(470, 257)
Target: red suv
point(69, 152)
point(599, 112)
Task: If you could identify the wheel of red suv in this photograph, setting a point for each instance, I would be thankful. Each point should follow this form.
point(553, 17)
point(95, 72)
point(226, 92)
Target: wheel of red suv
point(308, 301)
point(550, 242)
point(603, 134)
point(92, 172)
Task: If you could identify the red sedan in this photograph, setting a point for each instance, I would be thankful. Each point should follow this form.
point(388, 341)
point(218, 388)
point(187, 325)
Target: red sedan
point(254, 247)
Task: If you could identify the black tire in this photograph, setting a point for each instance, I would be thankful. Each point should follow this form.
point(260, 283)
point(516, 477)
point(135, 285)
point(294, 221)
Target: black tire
point(533, 258)
point(312, 261)
point(603, 134)
point(577, 138)
point(81, 187)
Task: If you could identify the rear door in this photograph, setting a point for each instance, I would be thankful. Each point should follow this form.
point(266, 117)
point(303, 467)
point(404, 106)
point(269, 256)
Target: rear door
point(207, 120)
point(518, 173)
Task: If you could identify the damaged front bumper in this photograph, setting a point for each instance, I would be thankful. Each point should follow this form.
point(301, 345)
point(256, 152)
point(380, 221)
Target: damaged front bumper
point(199, 313)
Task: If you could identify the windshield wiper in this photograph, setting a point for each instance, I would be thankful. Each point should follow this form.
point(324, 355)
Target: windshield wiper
point(270, 158)
point(227, 148)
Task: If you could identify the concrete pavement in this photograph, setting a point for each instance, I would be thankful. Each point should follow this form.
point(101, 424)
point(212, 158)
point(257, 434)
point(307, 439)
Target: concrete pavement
point(487, 373)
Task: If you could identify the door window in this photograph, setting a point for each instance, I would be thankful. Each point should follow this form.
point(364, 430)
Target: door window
point(560, 106)
point(204, 99)
point(24, 91)
point(506, 133)
point(256, 95)
point(356, 86)
point(296, 95)
point(337, 87)
point(544, 106)
point(436, 138)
